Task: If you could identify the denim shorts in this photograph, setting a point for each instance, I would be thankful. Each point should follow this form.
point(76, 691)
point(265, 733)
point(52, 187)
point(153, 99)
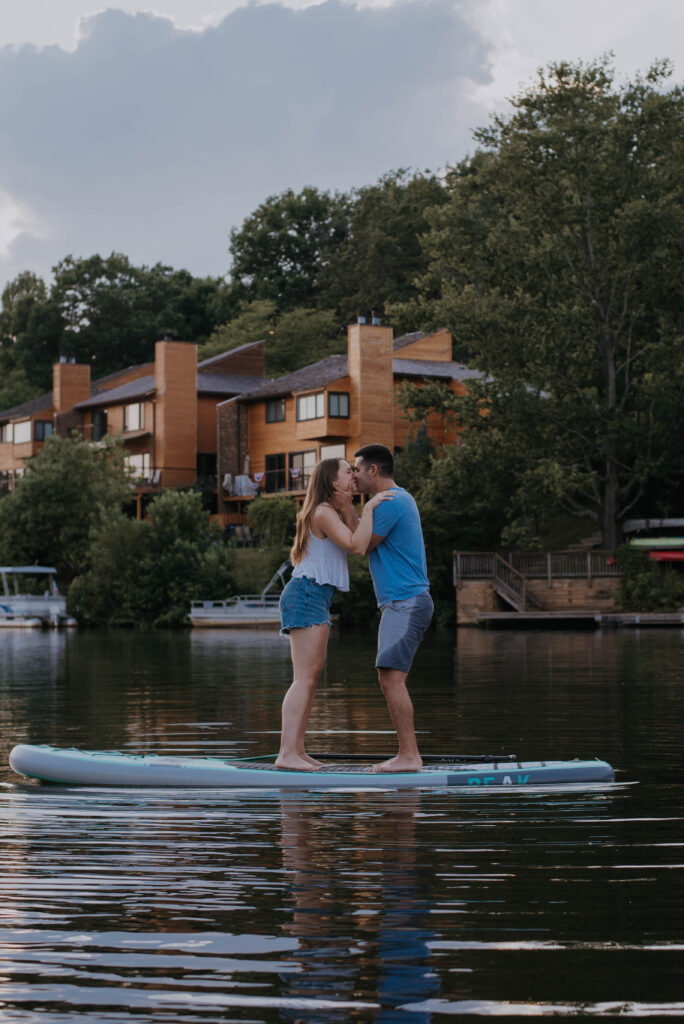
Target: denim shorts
point(402, 627)
point(305, 603)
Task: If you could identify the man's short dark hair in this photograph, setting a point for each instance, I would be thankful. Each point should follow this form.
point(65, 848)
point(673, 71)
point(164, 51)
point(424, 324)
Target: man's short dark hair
point(377, 455)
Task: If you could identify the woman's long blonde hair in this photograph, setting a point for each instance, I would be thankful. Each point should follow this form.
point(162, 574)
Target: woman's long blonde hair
point(320, 489)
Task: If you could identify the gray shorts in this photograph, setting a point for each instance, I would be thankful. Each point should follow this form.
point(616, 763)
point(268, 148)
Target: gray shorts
point(402, 627)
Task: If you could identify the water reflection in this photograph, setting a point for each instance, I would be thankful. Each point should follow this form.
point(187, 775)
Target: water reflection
point(194, 906)
point(358, 907)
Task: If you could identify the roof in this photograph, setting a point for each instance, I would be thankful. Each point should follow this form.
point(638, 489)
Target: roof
point(229, 351)
point(226, 383)
point(27, 408)
point(132, 389)
point(433, 368)
point(316, 375)
point(407, 339)
point(324, 372)
point(207, 383)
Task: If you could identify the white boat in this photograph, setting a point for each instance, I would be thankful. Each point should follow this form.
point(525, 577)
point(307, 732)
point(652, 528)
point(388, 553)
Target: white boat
point(245, 610)
point(30, 598)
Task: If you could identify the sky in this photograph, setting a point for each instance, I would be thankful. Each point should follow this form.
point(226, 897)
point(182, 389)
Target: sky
point(154, 131)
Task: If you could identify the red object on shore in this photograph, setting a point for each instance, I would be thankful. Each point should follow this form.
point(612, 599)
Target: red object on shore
point(667, 556)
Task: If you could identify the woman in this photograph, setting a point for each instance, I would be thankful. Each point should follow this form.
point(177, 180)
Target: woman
point(327, 528)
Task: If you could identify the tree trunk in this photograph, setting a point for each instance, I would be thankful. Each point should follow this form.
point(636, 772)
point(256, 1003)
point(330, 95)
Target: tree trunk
point(612, 528)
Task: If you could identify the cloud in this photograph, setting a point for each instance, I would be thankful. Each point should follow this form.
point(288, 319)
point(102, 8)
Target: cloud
point(528, 34)
point(154, 141)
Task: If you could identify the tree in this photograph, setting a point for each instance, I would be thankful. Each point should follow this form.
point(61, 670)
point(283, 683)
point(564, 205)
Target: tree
point(63, 494)
point(113, 312)
point(558, 259)
point(293, 339)
point(104, 311)
point(281, 250)
point(273, 520)
point(381, 258)
point(147, 573)
point(30, 332)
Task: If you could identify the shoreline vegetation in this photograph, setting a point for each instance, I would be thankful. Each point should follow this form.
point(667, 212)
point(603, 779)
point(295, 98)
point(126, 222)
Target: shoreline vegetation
point(68, 511)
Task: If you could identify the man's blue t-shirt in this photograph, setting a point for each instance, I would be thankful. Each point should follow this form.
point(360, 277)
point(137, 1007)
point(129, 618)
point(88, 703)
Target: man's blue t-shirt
point(398, 564)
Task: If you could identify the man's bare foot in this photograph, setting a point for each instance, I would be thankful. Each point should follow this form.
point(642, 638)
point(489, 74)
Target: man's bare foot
point(312, 760)
point(399, 764)
point(295, 763)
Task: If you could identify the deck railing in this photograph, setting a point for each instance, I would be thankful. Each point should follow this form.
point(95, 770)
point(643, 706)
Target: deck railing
point(473, 565)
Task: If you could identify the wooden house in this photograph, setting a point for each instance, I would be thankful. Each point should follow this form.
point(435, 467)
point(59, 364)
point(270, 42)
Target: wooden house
point(277, 432)
point(164, 411)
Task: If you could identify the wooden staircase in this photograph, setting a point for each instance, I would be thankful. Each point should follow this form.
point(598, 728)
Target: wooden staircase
point(511, 585)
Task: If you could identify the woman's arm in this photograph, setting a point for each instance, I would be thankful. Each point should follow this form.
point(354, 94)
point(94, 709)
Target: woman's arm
point(356, 542)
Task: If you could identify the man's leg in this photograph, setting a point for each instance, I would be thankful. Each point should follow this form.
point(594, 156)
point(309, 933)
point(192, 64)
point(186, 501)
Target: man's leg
point(400, 707)
point(402, 627)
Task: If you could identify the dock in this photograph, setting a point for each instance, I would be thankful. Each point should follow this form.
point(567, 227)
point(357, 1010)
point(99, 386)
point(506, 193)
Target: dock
point(579, 619)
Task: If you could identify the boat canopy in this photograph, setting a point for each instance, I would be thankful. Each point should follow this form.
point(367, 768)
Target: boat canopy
point(28, 570)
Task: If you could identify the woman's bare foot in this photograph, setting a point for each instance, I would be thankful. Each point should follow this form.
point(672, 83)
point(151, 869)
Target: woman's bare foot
point(399, 764)
point(295, 763)
point(312, 760)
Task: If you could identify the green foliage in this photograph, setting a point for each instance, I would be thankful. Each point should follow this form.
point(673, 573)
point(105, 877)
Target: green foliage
point(647, 586)
point(347, 254)
point(281, 250)
point(104, 311)
point(16, 388)
point(381, 258)
point(253, 322)
point(557, 261)
point(273, 520)
point(413, 463)
point(254, 567)
point(358, 606)
point(303, 336)
point(63, 494)
point(293, 339)
point(146, 573)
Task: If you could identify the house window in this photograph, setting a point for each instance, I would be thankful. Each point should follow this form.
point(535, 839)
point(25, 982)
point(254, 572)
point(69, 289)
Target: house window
point(333, 451)
point(139, 465)
point(99, 419)
point(275, 410)
point(22, 432)
point(274, 477)
point(6, 433)
point(301, 465)
point(338, 404)
point(41, 429)
point(133, 416)
point(311, 407)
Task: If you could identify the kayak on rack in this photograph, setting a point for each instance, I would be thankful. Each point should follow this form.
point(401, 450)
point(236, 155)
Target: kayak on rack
point(111, 768)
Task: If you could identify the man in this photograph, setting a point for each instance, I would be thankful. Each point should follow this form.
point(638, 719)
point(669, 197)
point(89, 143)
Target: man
point(399, 571)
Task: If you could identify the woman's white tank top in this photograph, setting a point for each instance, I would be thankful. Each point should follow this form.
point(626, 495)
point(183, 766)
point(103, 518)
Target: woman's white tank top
point(323, 562)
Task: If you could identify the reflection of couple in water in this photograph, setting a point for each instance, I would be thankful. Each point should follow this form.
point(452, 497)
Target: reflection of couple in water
point(327, 528)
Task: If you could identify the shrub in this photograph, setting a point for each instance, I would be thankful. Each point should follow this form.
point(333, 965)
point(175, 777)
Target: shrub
point(647, 586)
point(147, 573)
point(273, 520)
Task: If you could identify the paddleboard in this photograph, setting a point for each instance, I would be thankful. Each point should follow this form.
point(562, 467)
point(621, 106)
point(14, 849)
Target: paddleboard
point(111, 768)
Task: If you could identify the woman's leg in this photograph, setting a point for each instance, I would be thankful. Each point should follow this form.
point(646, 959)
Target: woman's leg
point(308, 648)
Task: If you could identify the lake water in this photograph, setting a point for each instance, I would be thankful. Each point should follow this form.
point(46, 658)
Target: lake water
point(181, 907)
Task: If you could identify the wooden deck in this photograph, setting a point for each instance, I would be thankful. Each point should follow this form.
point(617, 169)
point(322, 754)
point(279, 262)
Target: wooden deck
point(580, 619)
